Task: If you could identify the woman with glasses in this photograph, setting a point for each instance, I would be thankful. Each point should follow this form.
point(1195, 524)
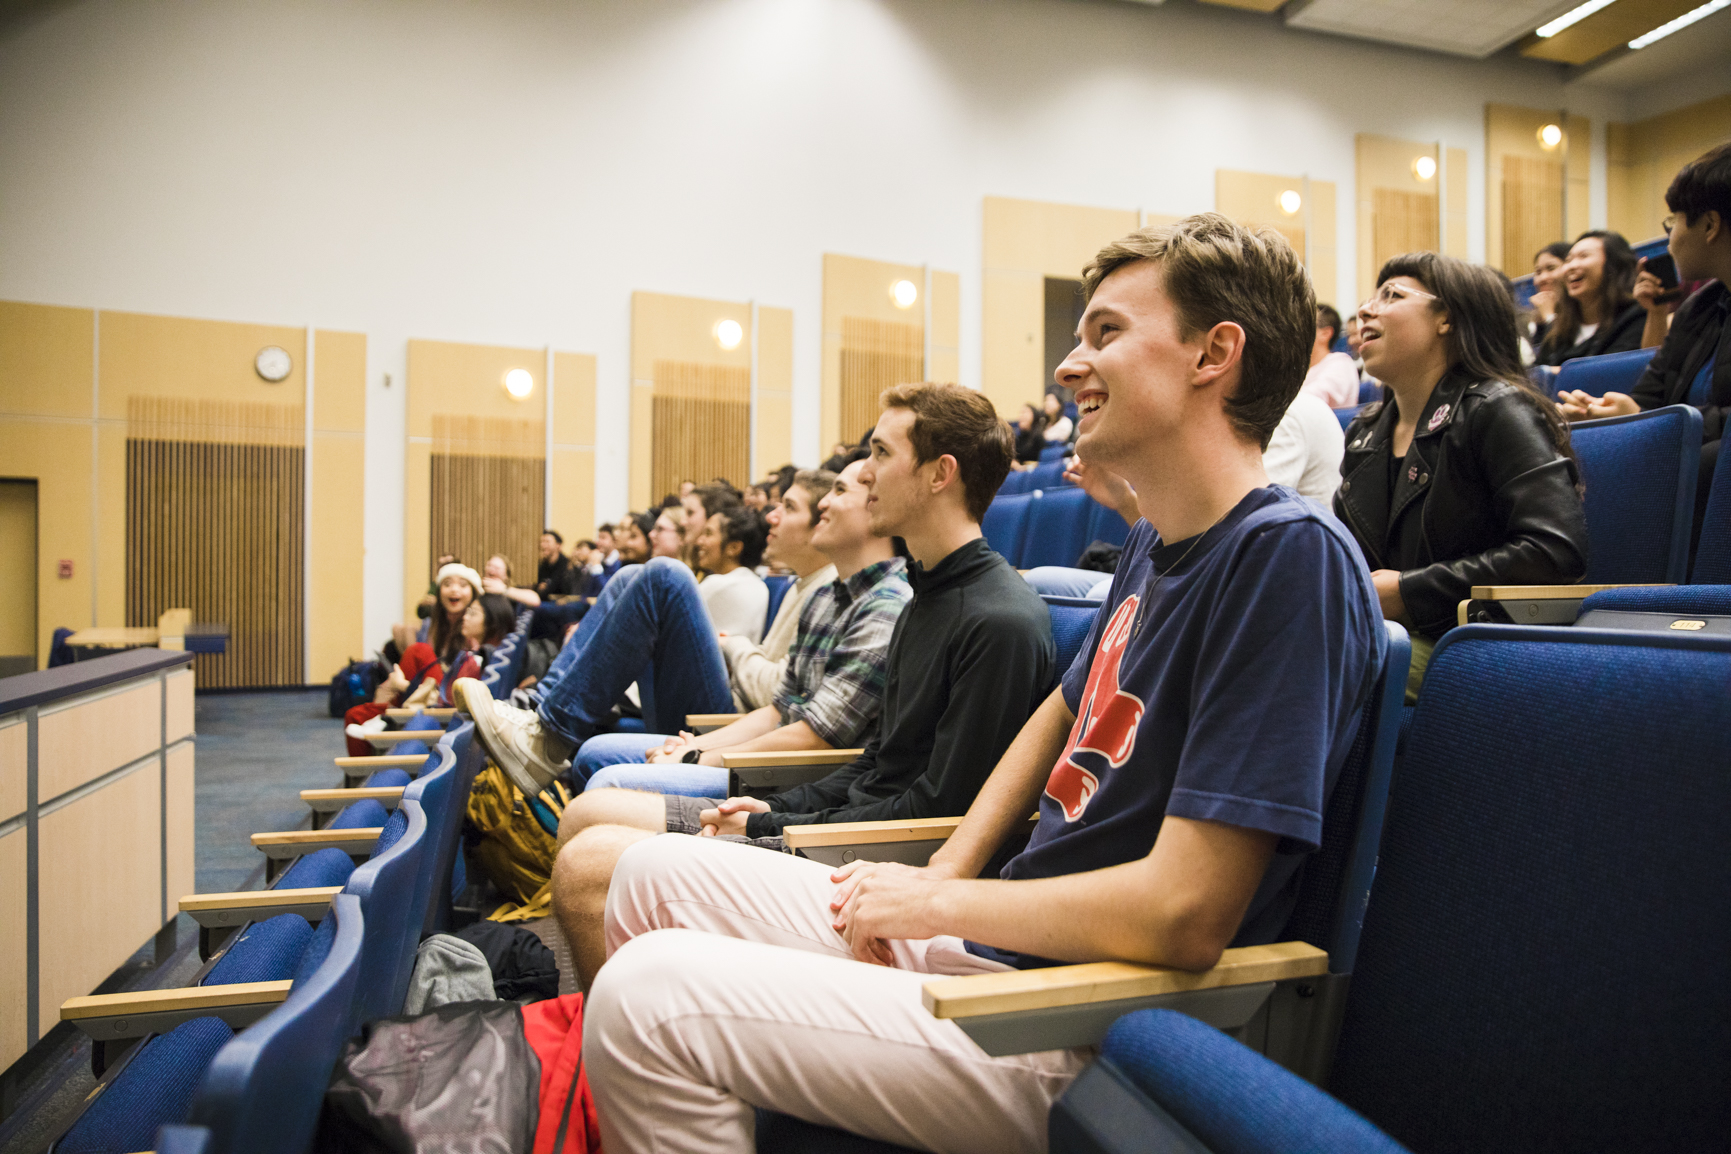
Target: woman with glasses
point(1464, 475)
point(1596, 311)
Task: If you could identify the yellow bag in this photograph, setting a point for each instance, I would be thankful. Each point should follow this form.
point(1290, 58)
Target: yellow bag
point(514, 851)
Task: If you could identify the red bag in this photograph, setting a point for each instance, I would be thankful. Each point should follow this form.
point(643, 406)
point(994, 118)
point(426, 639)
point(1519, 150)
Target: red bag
point(554, 1030)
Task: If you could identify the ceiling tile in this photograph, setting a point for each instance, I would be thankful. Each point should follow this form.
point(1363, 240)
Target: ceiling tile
point(1463, 27)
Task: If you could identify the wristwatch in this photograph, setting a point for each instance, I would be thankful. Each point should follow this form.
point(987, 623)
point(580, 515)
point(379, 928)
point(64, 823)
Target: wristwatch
point(690, 756)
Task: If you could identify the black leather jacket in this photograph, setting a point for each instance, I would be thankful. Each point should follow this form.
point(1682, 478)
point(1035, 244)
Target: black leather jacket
point(1482, 497)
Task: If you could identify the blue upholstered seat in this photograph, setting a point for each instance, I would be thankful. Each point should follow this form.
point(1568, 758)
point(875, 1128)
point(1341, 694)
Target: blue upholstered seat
point(1059, 521)
point(1005, 525)
point(1017, 481)
point(1072, 618)
point(1640, 474)
point(324, 867)
point(1346, 415)
point(1612, 372)
point(1368, 391)
point(1106, 525)
point(1054, 453)
point(778, 587)
point(267, 951)
point(156, 1084)
point(364, 814)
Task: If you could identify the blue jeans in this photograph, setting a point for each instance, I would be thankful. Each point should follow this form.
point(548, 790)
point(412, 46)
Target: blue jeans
point(1062, 581)
point(608, 749)
point(656, 633)
point(685, 780)
point(586, 628)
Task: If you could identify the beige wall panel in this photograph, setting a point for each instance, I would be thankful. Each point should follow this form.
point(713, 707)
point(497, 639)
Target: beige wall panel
point(573, 506)
point(1023, 242)
point(1049, 239)
point(144, 355)
point(1385, 164)
point(14, 956)
point(469, 380)
point(1512, 132)
point(58, 457)
point(180, 718)
point(1454, 206)
point(46, 354)
point(774, 415)
point(1643, 157)
point(85, 741)
point(101, 885)
point(417, 511)
point(18, 567)
point(335, 634)
point(673, 328)
point(14, 771)
point(574, 399)
point(181, 827)
point(340, 382)
point(946, 336)
point(1012, 331)
point(859, 288)
point(111, 523)
point(1253, 198)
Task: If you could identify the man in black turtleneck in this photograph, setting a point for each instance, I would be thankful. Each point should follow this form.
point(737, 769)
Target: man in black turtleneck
point(970, 660)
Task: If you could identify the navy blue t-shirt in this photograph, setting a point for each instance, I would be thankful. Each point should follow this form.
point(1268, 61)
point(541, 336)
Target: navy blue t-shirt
point(1235, 701)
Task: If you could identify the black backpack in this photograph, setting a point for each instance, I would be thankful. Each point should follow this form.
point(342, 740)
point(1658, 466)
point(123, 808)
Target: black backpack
point(354, 685)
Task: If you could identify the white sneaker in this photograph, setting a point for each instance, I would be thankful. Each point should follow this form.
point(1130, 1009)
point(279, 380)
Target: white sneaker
point(360, 730)
point(512, 737)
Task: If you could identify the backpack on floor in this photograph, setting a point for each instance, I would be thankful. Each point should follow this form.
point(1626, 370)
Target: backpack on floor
point(508, 841)
point(354, 685)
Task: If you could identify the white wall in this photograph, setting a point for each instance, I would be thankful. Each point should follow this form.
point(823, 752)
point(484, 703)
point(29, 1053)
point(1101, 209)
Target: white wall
point(509, 172)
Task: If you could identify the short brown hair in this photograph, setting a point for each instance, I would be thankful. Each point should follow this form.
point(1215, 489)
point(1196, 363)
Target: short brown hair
point(817, 483)
point(950, 419)
point(1214, 270)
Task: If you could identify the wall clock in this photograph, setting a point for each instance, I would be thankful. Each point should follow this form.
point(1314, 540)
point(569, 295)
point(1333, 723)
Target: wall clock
point(273, 363)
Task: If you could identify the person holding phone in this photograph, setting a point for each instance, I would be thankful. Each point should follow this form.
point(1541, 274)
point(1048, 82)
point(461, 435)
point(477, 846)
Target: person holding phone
point(1693, 364)
point(1657, 291)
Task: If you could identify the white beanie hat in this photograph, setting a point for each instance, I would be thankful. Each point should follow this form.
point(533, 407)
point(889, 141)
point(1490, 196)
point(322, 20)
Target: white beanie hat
point(457, 569)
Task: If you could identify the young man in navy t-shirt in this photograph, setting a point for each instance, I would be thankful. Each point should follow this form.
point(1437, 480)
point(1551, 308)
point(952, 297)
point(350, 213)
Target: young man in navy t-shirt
point(1180, 771)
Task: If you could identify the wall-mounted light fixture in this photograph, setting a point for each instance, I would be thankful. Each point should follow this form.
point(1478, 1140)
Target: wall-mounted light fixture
point(904, 293)
point(519, 383)
point(1424, 167)
point(728, 334)
point(1550, 136)
point(1290, 202)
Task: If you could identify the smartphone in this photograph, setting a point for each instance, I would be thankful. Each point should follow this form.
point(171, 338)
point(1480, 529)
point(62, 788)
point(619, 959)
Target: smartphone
point(1665, 268)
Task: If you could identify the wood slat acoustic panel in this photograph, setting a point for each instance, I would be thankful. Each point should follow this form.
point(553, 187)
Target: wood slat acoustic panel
point(701, 423)
point(1532, 209)
point(875, 355)
point(1402, 222)
point(214, 523)
point(488, 490)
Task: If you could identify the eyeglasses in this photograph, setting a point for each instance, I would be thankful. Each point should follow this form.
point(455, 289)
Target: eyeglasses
point(1666, 224)
point(1392, 294)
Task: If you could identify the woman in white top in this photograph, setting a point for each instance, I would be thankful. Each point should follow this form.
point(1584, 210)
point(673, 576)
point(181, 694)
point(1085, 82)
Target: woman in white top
point(729, 548)
point(1058, 426)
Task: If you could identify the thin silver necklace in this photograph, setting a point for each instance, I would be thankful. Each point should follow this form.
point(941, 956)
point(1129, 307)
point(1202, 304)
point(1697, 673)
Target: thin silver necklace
point(1148, 589)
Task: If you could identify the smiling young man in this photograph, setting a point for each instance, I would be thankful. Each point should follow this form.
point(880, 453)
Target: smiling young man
point(729, 549)
point(1179, 773)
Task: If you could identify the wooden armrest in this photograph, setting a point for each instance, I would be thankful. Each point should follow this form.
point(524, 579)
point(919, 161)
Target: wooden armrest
point(383, 761)
point(704, 722)
point(398, 736)
point(332, 800)
point(911, 842)
point(233, 909)
point(759, 773)
point(1548, 592)
point(108, 1017)
point(1023, 1011)
point(295, 842)
point(415, 711)
point(1529, 604)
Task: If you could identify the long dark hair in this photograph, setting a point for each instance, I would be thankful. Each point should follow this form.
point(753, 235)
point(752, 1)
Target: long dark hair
point(501, 618)
point(1481, 342)
point(1616, 290)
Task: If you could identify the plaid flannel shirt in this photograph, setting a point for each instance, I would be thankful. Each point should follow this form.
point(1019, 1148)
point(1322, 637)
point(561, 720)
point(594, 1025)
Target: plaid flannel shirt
point(837, 666)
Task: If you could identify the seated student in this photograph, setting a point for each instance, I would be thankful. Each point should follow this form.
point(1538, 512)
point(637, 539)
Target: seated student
point(697, 505)
point(420, 679)
point(496, 578)
point(729, 549)
point(404, 634)
point(457, 586)
point(1332, 378)
point(1465, 475)
point(1693, 366)
point(1029, 431)
point(666, 537)
point(604, 562)
point(1180, 772)
point(1547, 271)
point(832, 684)
point(1595, 313)
point(1059, 429)
point(971, 656)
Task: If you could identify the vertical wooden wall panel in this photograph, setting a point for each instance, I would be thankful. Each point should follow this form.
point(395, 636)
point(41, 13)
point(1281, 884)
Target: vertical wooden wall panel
point(669, 330)
point(946, 366)
point(1397, 210)
point(1253, 198)
point(337, 472)
point(773, 419)
point(1024, 242)
point(487, 483)
point(1402, 222)
point(875, 355)
point(215, 510)
point(1526, 184)
point(702, 425)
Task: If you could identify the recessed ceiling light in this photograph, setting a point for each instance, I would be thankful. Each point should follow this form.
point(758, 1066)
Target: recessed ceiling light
point(1424, 167)
point(1290, 202)
point(728, 334)
point(519, 383)
point(1681, 22)
point(1571, 17)
point(1550, 136)
point(904, 293)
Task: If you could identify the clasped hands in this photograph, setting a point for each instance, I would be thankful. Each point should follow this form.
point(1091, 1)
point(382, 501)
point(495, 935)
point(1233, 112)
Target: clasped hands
point(876, 903)
point(673, 750)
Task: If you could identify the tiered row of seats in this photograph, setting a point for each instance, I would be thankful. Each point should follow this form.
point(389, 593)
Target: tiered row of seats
point(240, 1060)
point(1039, 518)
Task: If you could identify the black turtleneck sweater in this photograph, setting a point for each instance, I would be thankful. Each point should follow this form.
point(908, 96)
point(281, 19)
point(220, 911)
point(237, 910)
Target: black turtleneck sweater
point(970, 660)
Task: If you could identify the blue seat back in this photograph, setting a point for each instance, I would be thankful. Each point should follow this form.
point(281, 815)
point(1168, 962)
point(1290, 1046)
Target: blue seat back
point(1612, 372)
point(1345, 416)
point(325, 867)
point(1713, 551)
point(445, 797)
point(1054, 453)
point(1544, 950)
point(1072, 618)
point(263, 1090)
point(1017, 481)
point(1640, 472)
point(778, 587)
point(1658, 246)
point(1058, 525)
point(1005, 525)
point(156, 1085)
point(1047, 475)
point(387, 886)
point(1368, 391)
point(267, 951)
point(1104, 524)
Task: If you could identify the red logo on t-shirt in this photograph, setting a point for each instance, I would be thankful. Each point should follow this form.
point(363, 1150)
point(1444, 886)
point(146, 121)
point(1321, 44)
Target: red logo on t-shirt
point(1106, 724)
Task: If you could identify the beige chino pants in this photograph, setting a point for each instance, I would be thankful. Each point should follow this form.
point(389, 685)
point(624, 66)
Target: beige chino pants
point(726, 988)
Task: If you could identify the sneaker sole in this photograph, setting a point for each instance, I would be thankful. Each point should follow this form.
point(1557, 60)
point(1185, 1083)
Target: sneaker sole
point(483, 719)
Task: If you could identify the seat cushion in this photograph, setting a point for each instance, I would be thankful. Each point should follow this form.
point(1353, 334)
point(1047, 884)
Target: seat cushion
point(153, 1089)
point(268, 951)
